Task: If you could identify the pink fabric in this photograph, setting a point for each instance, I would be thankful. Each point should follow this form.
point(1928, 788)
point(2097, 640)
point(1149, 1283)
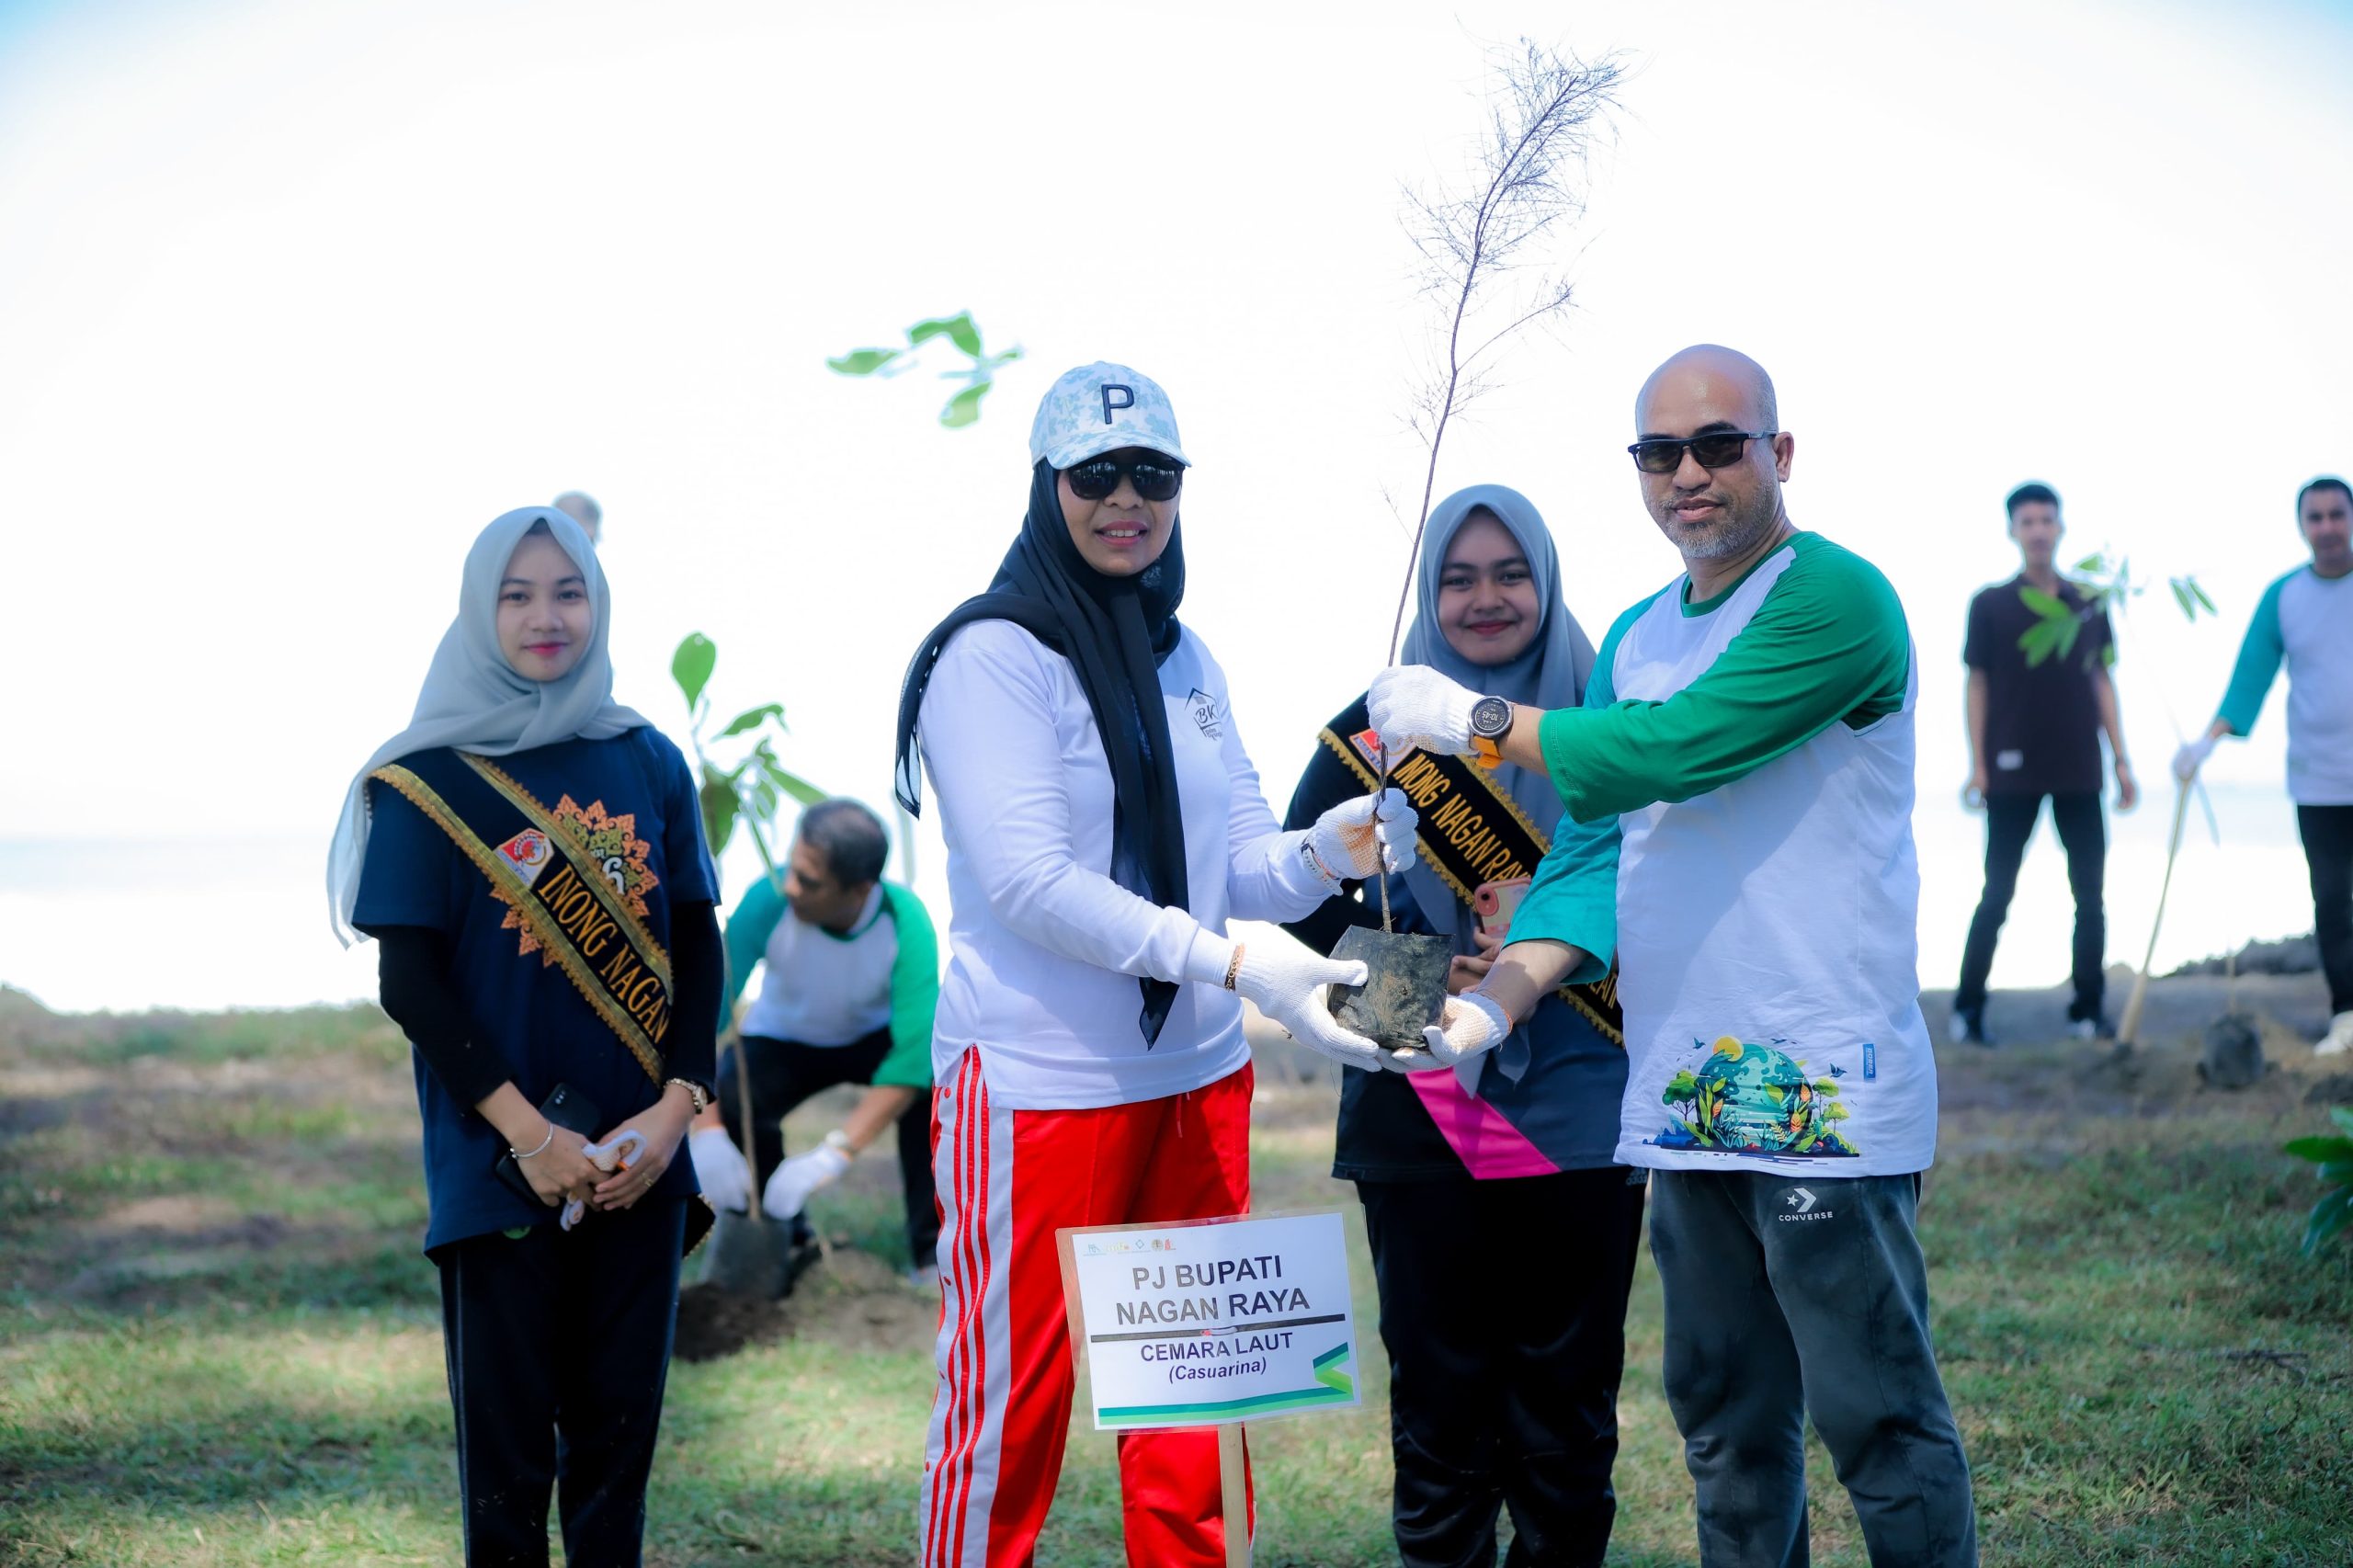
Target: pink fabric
point(1491, 1148)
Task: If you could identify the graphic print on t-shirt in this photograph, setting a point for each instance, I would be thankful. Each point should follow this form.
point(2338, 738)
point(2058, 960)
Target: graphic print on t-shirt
point(1752, 1099)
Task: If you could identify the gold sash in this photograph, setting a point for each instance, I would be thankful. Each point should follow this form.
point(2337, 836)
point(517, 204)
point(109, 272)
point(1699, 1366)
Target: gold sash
point(1470, 832)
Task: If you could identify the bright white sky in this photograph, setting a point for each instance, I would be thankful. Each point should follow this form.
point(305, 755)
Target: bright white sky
point(294, 298)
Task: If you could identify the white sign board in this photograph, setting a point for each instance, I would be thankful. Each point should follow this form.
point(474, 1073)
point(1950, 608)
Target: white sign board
point(1215, 1320)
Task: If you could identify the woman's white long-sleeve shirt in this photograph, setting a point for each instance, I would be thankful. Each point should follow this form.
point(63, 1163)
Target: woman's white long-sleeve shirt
point(1044, 948)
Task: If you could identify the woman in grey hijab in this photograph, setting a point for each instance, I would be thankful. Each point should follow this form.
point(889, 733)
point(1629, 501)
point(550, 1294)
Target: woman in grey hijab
point(1503, 1233)
point(530, 858)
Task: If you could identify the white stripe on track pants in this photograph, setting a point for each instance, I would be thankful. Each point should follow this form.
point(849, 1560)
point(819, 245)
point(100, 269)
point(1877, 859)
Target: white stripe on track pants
point(1007, 1181)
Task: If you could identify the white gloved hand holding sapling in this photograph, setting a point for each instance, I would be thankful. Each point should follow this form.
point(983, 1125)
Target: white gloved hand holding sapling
point(1361, 838)
point(1413, 705)
point(2191, 756)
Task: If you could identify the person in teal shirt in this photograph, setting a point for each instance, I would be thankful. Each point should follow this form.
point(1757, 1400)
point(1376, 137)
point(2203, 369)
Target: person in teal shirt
point(850, 982)
point(2305, 621)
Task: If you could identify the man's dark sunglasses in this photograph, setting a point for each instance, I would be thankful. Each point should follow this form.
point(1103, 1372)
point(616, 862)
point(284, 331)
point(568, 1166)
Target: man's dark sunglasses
point(1717, 448)
point(1156, 477)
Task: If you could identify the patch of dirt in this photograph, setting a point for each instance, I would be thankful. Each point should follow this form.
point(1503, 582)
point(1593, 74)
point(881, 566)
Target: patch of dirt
point(849, 1299)
point(151, 1257)
point(2289, 955)
point(2336, 1088)
point(180, 1212)
point(714, 1322)
point(2036, 1066)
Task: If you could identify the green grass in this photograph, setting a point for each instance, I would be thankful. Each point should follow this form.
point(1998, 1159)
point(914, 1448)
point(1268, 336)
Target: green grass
point(218, 1343)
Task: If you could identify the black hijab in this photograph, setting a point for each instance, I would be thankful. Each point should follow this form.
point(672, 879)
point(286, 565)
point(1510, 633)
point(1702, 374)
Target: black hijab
point(1114, 631)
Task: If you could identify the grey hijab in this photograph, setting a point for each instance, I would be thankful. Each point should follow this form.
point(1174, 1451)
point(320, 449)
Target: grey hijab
point(1550, 674)
point(473, 699)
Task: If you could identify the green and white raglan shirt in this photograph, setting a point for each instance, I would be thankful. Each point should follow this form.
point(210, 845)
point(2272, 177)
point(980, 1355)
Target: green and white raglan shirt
point(826, 988)
point(1740, 776)
point(2305, 620)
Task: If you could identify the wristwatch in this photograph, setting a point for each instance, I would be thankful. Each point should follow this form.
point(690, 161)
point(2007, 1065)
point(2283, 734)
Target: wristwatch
point(1490, 720)
point(695, 1092)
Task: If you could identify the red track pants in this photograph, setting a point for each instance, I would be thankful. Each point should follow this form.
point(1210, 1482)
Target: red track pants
point(1007, 1181)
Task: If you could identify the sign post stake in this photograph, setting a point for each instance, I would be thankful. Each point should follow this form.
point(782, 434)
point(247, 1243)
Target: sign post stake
point(1233, 1483)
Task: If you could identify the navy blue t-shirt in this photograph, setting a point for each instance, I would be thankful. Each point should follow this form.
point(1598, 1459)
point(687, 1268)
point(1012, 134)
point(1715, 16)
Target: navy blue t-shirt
point(634, 798)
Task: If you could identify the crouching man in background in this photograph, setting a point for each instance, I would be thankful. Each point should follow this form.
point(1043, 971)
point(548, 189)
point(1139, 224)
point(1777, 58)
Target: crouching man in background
point(852, 976)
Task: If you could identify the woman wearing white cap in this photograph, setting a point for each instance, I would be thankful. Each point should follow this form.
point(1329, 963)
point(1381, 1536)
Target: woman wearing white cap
point(1103, 823)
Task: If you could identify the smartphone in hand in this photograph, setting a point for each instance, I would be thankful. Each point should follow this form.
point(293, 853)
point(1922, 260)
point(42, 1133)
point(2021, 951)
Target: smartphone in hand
point(1496, 902)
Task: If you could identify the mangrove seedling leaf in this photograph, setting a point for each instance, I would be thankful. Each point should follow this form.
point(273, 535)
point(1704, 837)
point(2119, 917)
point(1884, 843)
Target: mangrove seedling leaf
point(958, 329)
point(718, 808)
point(2320, 1148)
point(2037, 641)
point(2328, 1217)
point(2048, 606)
point(964, 408)
point(863, 361)
point(786, 780)
point(752, 717)
point(692, 665)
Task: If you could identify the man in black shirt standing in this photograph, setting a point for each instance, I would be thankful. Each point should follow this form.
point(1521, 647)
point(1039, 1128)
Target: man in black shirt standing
point(2034, 731)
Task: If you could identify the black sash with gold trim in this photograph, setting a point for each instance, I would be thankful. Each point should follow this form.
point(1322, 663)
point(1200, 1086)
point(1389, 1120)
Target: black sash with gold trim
point(570, 913)
point(1471, 833)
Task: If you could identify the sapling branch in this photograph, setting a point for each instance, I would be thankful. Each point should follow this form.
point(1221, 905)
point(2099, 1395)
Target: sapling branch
point(1542, 113)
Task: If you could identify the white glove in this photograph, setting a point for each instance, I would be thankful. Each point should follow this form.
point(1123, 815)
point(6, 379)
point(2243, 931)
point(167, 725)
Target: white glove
point(719, 1169)
point(1290, 985)
point(788, 1190)
point(1413, 705)
point(1470, 1024)
point(1349, 841)
point(2186, 760)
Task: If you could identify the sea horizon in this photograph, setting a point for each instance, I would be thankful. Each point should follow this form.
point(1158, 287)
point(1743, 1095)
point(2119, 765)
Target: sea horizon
point(241, 922)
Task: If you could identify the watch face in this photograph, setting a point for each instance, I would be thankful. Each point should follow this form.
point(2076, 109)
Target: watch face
point(1491, 718)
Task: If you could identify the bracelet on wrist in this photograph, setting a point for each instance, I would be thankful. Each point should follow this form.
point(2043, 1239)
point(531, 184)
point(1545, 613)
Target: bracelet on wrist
point(1234, 968)
point(839, 1140)
point(536, 1153)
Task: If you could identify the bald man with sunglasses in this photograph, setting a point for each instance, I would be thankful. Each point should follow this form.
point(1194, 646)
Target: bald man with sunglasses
point(1739, 787)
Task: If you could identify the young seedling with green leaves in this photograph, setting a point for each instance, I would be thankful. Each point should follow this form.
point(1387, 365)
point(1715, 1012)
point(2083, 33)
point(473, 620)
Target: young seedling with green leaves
point(2104, 586)
point(752, 791)
point(2333, 1152)
point(974, 378)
